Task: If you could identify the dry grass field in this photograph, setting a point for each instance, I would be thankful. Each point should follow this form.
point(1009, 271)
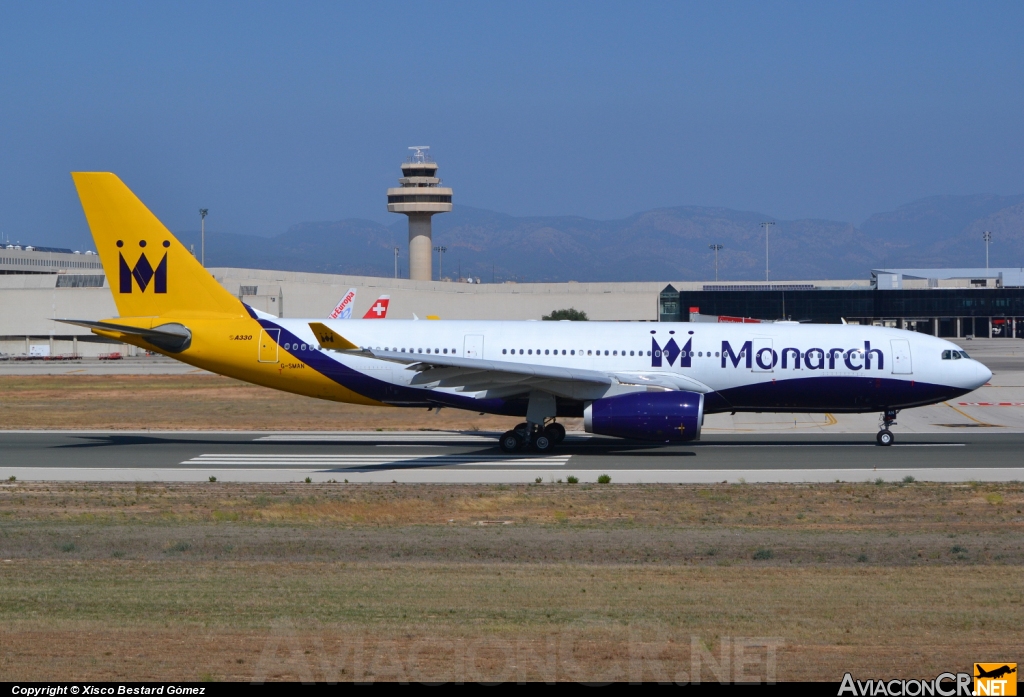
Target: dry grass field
point(596, 582)
point(201, 402)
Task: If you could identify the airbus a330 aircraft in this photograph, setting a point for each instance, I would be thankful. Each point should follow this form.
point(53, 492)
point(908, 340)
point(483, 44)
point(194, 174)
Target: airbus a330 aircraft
point(639, 380)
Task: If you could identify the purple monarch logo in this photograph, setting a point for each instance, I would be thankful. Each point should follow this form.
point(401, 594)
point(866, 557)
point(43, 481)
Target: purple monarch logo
point(670, 353)
point(143, 273)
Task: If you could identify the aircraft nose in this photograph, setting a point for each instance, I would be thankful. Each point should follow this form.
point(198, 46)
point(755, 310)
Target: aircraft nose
point(984, 374)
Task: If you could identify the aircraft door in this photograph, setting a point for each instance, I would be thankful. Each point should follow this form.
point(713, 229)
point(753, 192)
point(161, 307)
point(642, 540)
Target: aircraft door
point(474, 346)
point(764, 357)
point(901, 363)
point(268, 345)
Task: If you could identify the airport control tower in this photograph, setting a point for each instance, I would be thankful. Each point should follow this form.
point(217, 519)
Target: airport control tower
point(419, 197)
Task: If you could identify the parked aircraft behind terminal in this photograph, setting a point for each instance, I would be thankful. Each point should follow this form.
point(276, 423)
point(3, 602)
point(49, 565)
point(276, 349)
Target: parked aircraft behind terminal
point(343, 310)
point(379, 310)
point(637, 380)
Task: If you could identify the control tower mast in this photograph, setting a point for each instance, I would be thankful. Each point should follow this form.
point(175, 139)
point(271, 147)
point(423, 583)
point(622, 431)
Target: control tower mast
point(419, 196)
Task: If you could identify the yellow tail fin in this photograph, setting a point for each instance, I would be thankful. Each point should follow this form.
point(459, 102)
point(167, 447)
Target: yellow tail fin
point(150, 272)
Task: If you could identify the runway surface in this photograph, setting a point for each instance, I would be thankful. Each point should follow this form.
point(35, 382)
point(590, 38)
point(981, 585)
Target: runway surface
point(475, 458)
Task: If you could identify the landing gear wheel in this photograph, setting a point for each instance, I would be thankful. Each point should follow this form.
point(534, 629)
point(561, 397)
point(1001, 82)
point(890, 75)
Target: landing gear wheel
point(543, 444)
point(510, 441)
point(556, 432)
point(885, 437)
point(522, 429)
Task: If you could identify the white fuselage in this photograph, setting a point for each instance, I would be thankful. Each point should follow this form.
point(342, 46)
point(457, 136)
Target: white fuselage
point(763, 367)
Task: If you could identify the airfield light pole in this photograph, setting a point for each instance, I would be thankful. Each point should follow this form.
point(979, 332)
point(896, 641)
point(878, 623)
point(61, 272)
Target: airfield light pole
point(715, 247)
point(440, 250)
point(202, 216)
point(987, 236)
point(765, 226)
point(396, 262)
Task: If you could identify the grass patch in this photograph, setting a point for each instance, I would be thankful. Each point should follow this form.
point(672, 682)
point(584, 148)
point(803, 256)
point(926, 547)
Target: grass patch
point(405, 564)
point(169, 621)
point(202, 402)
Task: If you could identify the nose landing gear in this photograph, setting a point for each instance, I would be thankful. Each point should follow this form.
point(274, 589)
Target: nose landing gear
point(885, 436)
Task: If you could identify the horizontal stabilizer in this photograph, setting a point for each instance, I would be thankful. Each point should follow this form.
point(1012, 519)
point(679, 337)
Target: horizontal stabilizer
point(328, 338)
point(172, 337)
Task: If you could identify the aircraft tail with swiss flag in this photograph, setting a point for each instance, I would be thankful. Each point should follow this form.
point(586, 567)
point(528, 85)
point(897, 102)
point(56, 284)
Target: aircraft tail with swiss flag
point(379, 309)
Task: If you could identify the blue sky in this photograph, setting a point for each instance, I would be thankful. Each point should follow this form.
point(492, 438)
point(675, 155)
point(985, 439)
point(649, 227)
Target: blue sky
point(271, 114)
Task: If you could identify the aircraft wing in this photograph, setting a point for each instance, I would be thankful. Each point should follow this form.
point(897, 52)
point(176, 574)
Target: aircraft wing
point(424, 362)
point(657, 378)
point(505, 378)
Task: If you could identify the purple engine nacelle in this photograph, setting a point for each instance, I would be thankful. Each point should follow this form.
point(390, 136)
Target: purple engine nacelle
point(658, 416)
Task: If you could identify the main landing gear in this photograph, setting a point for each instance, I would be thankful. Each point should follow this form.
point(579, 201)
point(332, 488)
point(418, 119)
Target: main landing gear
point(885, 436)
point(540, 431)
point(542, 439)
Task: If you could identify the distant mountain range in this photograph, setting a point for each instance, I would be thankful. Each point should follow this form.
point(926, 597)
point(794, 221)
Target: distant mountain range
point(660, 244)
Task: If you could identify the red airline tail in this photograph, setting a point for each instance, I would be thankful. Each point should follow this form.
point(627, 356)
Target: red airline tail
point(379, 309)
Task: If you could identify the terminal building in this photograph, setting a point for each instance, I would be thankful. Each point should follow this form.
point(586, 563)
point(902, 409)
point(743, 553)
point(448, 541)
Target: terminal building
point(41, 284)
point(953, 303)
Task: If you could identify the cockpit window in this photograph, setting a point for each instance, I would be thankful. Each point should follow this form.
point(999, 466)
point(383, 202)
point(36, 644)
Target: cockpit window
point(964, 354)
point(946, 355)
point(956, 355)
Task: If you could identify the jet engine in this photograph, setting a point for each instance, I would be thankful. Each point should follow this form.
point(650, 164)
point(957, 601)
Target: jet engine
point(654, 416)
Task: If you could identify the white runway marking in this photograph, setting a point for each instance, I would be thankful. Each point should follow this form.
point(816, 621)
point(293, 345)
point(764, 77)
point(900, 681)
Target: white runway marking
point(381, 437)
point(408, 445)
point(827, 445)
point(357, 461)
point(384, 437)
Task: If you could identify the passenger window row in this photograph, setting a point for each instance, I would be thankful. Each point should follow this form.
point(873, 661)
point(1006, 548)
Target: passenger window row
point(417, 350)
point(602, 352)
point(550, 352)
point(303, 347)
